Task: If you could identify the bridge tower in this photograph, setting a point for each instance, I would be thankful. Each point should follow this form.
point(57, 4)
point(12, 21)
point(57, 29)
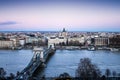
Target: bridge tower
point(38, 54)
point(51, 46)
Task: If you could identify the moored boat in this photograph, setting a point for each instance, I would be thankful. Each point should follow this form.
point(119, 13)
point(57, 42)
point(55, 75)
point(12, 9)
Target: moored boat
point(114, 49)
point(91, 48)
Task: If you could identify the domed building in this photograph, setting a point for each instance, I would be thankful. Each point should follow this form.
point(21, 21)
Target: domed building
point(63, 33)
point(61, 38)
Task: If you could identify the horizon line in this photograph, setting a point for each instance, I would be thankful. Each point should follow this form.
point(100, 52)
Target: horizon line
point(54, 31)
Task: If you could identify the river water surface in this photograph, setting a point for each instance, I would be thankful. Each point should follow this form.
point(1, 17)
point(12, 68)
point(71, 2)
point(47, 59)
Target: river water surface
point(61, 61)
point(14, 60)
point(67, 61)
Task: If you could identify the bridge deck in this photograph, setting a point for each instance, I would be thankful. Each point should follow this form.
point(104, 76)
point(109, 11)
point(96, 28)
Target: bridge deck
point(28, 71)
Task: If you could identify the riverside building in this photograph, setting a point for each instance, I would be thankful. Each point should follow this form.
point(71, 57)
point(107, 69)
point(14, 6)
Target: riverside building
point(61, 38)
point(101, 41)
point(6, 44)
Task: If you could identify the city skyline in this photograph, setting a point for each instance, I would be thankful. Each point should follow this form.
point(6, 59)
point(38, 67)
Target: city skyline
point(39, 15)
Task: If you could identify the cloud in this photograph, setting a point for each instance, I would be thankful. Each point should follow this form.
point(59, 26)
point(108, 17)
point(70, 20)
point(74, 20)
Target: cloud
point(8, 23)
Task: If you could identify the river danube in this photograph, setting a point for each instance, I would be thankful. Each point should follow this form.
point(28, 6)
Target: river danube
point(14, 60)
point(62, 61)
point(67, 61)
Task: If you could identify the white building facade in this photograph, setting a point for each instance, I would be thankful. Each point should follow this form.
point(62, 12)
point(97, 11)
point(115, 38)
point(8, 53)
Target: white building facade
point(6, 44)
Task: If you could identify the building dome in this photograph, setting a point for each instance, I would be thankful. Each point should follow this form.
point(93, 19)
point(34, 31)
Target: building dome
point(64, 30)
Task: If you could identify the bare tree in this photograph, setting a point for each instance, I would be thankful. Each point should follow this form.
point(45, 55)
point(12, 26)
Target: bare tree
point(107, 72)
point(64, 76)
point(118, 74)
point(18, 73)
point(12, 76)
point(114, 73)
point(2, 72)
point(87, 69)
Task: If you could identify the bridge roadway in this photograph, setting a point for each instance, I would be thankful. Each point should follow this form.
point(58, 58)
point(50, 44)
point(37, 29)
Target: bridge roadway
point(37, 60)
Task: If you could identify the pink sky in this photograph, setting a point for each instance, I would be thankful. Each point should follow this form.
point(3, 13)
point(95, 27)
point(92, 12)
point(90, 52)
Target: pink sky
point(54, 17)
